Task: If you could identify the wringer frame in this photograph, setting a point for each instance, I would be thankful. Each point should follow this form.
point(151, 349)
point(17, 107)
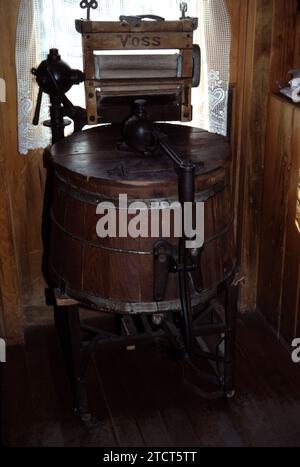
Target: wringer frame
point(137, 71)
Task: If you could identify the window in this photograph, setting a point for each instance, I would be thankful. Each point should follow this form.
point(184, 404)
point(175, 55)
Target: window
point(45, 24)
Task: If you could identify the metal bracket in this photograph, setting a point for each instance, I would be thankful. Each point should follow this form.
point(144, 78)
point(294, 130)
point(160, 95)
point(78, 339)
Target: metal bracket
point(166, 261)
point(238, 279)
point(136, 21)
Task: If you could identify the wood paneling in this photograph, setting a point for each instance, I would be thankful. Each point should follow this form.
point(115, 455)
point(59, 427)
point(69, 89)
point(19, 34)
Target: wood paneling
point(250, 66)
point(238, 12)
point(283, 41)
point(262, 53)
point(21, 198)
point(290, 313)
point(276, 185)
point(9, 273)
point(280, 245)
point(237, 18)
point(279, 262)
point(296, 63)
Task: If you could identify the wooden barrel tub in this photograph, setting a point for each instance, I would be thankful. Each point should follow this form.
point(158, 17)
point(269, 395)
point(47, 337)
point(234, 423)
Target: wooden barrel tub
point(117, 274)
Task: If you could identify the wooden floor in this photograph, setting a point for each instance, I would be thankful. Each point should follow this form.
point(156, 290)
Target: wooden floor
point(141, 401)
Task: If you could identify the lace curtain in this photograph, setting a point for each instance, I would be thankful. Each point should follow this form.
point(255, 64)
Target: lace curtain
point(45, 24)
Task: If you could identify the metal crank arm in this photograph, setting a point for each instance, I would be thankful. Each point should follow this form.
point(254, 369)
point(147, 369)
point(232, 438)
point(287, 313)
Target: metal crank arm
point(165, 259)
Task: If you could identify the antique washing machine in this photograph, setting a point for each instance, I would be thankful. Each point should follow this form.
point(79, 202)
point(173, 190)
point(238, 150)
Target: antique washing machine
point(158, 286)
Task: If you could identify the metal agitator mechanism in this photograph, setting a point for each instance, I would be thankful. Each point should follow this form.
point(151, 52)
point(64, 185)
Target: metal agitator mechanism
point(56, 78)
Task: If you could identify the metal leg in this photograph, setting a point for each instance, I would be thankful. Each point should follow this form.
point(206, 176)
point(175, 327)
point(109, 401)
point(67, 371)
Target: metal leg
point(188, 338)
point(67, 322)
point(186, 312)
point(230, 338)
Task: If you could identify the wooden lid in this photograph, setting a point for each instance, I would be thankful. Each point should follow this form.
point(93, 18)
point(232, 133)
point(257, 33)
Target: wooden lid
point(94, 155)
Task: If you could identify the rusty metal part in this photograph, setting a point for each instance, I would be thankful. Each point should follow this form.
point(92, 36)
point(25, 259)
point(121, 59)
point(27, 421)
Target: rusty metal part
point(88, 5)
point(56, 78)
point(183, 8)
point(136, 21)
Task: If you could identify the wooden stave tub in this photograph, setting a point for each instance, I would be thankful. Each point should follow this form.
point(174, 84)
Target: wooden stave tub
point(104, 277)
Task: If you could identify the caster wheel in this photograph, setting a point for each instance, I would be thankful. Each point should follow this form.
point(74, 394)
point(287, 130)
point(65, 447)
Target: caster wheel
point(230, 394)
point(86, 418)
point(89, 422)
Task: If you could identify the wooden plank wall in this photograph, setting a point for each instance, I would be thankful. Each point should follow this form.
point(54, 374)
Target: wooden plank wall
point(297, 43)
point(9, 272)
point(278, 285)
point(269, 169)
point(279, 272)
point(21, 197)
point(258, 67)
point(260, 55)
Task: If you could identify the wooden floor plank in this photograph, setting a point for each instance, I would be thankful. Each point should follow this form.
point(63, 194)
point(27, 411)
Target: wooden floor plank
point(268, 359)
point(267, 408)
point(180, 429)
point(162, 376)
point(46, 410)
point(74, 433)
point(17, 418)
point(141, 400)
point(213, 425)
point(125, 425)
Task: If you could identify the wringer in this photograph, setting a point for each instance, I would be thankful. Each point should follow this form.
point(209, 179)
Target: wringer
point(138, 71)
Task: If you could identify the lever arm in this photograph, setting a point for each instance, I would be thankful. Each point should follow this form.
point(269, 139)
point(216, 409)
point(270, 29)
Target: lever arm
point(186, 190)
point(36, 118)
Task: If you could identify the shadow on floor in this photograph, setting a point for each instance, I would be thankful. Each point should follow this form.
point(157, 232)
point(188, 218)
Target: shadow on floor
point(141, 400)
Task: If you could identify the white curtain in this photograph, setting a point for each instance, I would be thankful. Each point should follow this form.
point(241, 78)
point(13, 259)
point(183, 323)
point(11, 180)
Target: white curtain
point(45, 24)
